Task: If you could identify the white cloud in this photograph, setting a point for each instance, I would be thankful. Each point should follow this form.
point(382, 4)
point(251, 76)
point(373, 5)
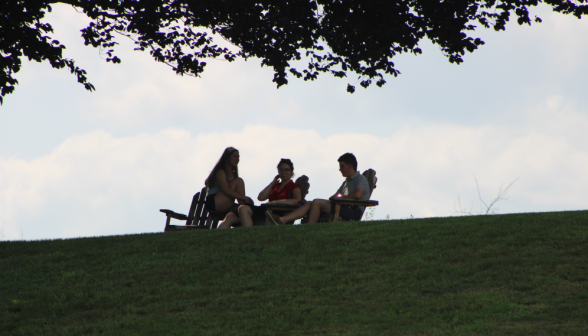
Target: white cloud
point(97, 184)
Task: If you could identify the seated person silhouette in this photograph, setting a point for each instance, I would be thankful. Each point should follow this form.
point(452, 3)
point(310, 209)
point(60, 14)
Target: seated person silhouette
point(282, 190)
point(224, 184)
point(354, 187)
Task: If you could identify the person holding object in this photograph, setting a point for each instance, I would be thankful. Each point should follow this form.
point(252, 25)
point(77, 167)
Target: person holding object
point(354, 187)
point(282, 190)
point(224, 184)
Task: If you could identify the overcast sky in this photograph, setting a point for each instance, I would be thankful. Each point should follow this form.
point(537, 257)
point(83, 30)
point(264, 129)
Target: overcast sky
point(75, 163)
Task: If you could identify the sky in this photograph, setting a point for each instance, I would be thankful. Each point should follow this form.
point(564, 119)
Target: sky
point(75, 163)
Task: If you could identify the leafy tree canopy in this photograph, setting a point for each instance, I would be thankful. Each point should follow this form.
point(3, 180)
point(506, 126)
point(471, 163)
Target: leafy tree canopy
point(340, 37)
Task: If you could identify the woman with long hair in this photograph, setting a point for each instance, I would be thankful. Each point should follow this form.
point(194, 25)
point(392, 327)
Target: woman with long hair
point(224, 184)
point(281, 190)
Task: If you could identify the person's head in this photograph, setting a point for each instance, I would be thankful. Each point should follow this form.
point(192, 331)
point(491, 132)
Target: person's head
point(347, 164)
point(285, 169)
point(227, 162)
point(233, 159)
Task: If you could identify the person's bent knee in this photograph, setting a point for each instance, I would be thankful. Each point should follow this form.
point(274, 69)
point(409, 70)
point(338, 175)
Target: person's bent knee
point(244, 209)
point(229, 216)
point(236, 181)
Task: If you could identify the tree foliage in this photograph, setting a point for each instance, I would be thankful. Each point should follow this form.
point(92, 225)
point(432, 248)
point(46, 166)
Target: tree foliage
point(340, 37)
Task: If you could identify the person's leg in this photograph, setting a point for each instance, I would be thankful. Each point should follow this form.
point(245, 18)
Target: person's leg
point(348, 212)
point(245, 213)
point(238, 185)
point(297, 214)
point(223, 201)
point(318, 206)
point(229, 220)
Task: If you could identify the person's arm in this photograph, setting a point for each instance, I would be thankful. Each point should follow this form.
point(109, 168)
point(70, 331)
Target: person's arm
point(339, 192)
point(221, 178)
point(362, 187)
point(357, 194)
point(264, 194)
point(296, 197)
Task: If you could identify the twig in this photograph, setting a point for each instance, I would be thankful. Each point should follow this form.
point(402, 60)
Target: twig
point(485, 208)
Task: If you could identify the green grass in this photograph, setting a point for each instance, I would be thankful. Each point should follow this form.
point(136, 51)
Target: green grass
point(518, 274)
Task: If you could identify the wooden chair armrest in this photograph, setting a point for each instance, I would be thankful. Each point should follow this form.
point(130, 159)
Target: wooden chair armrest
point(340, 201)
point(173, 214)
point(283, 207)
point(348, 201)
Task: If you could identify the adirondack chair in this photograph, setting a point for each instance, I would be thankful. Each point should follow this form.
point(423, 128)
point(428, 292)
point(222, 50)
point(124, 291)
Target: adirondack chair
point(302, 181)
point(370, 175)
point(198, 218)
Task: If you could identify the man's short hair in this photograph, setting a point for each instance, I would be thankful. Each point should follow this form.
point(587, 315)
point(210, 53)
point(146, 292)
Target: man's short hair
point(349, 158)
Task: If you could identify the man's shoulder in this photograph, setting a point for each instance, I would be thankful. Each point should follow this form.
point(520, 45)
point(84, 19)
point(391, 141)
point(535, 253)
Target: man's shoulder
point(359, 178)
point(360, 181)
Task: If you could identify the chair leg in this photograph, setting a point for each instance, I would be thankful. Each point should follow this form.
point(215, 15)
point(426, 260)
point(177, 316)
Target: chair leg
point(336, 214)
point(214, 224)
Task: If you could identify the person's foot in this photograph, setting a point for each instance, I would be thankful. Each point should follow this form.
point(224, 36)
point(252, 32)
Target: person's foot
point(272, 218)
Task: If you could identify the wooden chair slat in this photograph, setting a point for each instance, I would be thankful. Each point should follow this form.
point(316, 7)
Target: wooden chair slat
point(192, 209)
point(202, 218)
point(214, 224)
point(200, 207)
point(209, 222)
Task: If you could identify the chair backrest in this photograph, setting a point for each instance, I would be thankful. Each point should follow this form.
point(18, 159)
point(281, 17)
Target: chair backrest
point(204, 216)
point(370, 175)
point(193, 208)
point(197, 210)
point(302, 181)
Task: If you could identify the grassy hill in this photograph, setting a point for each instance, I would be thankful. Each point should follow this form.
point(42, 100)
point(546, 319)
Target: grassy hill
point(517, 274)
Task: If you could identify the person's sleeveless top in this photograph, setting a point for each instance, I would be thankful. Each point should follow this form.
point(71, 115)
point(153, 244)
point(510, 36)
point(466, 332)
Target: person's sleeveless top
point(285, 193)
point(216, 189)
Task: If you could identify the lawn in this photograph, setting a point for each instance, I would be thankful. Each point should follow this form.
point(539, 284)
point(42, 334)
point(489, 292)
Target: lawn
point(517, 274)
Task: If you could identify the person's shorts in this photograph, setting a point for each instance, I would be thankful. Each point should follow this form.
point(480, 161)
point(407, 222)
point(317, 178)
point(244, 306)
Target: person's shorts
point(210, 203)
point(349, 212)
point(258, 212)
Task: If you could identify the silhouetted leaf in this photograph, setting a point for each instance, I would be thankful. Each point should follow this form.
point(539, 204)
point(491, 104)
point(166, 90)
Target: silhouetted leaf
point(340, 37)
